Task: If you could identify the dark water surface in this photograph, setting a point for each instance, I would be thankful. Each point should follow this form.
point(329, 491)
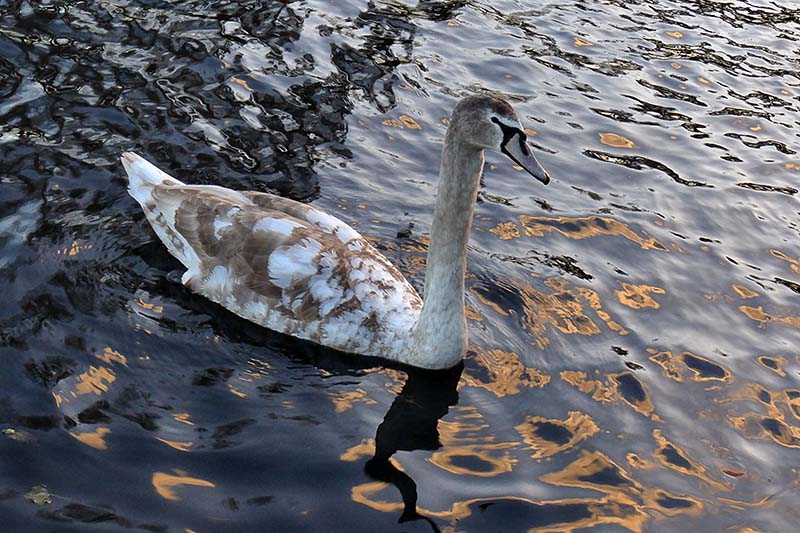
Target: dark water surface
point(634, 360)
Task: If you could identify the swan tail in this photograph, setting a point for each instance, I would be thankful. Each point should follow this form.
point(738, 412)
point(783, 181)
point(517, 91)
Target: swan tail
point(143, 177)
point(150, 187)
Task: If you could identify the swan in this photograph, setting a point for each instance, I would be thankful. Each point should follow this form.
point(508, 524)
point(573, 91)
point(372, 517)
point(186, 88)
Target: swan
point(292, 268)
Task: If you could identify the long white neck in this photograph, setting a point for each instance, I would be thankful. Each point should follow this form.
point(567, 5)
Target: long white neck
point(440, 338)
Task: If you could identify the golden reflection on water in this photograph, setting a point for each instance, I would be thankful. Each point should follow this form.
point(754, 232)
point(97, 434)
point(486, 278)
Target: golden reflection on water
point(599, 391)
point(506, 231)
point(112, 356)
point(393, 122)
point(673, 457)
point(165, 484)
point(794, 264)
point(774, 363)
point(562, 309)
point(468, 449)
point(587, 227)
point(180, 446)
point(395, 379)
point(96, 439)
point(758, 314)
point(616, 140)
point(776, 424)
point(606, 510)
point(482, 460)
point(630, 503)
point(638, 296)
point(236, 392)
point(472, 314)
point(183, 418)
point(344, 400)
point(96, 380)
point(241, 83)
point(403, 122)
point(485, 301)
point(594, 470)
point(623, 386)
point(367, 493)
point(74, 249)
point(153, 308)
point(744, 292)
point(409, 122)
point(505, 374)
point(594, 302)
point(549, 436)
point(258, 368)
point(675, 366)
point(365, 448)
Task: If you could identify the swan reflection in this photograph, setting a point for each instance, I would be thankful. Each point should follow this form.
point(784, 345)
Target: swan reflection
point(412, 423)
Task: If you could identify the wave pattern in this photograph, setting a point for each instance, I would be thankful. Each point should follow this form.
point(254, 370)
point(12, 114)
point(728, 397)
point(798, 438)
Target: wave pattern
point(634, 326)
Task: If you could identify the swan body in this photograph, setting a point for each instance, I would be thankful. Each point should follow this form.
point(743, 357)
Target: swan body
point(292, 268)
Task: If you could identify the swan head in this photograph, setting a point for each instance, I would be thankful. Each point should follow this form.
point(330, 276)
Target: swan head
point(492, 124)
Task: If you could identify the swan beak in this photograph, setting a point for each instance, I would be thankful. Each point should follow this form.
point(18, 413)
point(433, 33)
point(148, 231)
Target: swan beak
point(516, 147)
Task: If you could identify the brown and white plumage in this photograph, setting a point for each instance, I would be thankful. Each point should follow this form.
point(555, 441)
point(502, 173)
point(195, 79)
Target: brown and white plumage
point(294, 269)
point(279, 263)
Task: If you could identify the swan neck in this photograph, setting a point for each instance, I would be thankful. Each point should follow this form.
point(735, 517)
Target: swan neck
point(441, 334)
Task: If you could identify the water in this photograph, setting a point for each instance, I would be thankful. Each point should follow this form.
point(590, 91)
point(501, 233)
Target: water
point(634, 325)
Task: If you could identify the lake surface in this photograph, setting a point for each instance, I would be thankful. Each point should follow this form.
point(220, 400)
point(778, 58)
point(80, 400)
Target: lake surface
point(634, 326)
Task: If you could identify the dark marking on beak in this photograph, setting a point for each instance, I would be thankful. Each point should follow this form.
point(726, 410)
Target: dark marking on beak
point(515, 146)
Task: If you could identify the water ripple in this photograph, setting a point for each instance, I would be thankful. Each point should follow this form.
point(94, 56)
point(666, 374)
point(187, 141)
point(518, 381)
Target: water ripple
point(632, 361)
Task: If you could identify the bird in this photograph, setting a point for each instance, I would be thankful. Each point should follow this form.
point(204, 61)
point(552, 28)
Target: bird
point(298, 270)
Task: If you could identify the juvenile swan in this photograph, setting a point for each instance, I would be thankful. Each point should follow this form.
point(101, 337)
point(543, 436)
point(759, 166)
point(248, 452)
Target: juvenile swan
point(294, 269)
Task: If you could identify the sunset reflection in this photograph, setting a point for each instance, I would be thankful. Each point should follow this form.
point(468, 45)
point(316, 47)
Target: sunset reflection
point(166, 484)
